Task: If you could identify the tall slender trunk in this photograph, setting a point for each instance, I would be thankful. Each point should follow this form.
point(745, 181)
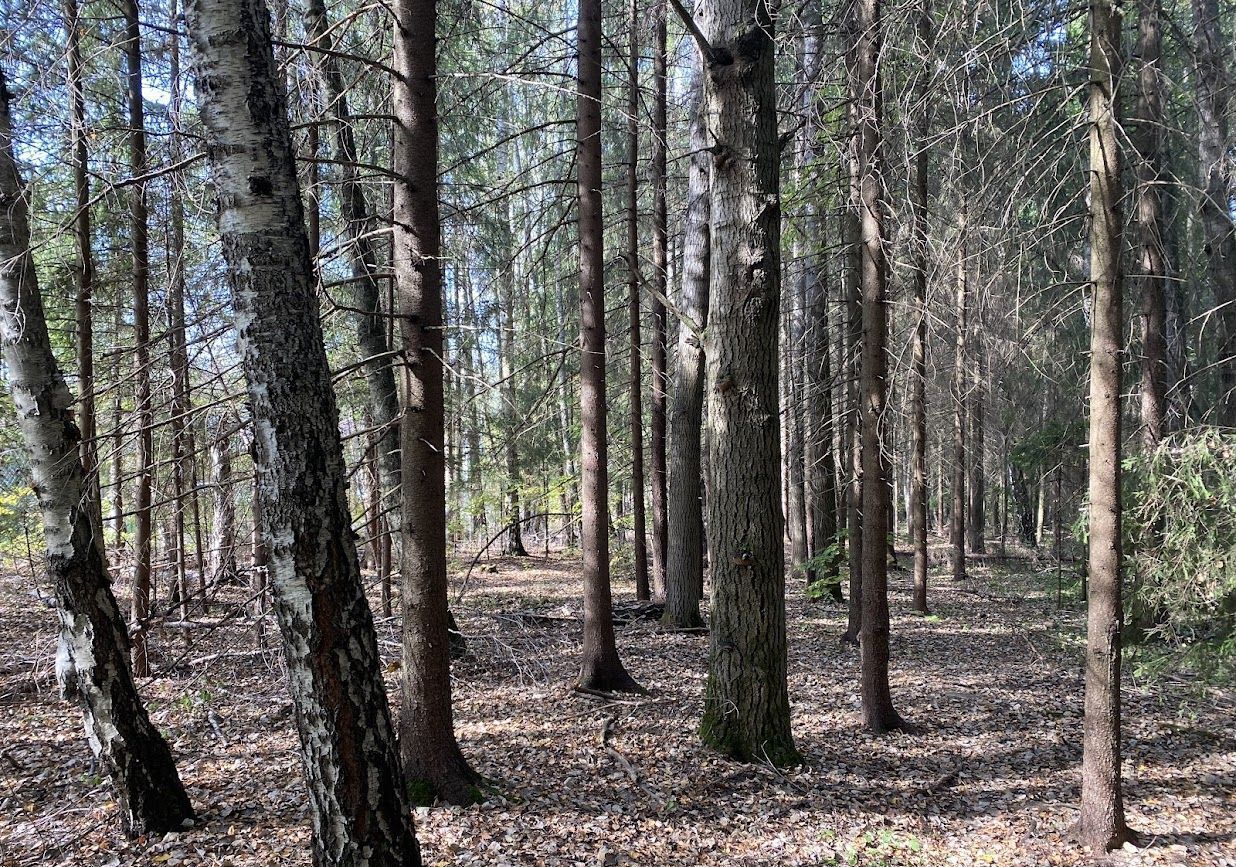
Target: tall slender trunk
point(660, 282)
point(1101, 824)
point(976, 518)
point(684, 572)
point(83, 272)
point(183, 473)
point(223, 530)
point(878, 712)
point(634, 310)
point(600, 667)
point(431, 755)
point(1215, 182)
point(1151, 263)
point(917, 506)
point(362, 254)
point(143, 537)
point(746, 702)
point(92, 659)
point(571, 484)
point(957, 525)
point(348, 750)
point(850, 239)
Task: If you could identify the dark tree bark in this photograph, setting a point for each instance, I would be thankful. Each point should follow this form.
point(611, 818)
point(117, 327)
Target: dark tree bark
point(92, 657)
point(375, 349)
point(660, 281)
point(1102, 825)
point(1215, 182)
point(878, 712)
point(639, 523)
point(957, 524)
point(348, 750)
point(432, 758)
point(83, 270)
point(746, 703)
point(143, 536)
point(1151, 261)
point(850, 240)
point(600, 667)
point(684, 575)
point(918, 371)
point(976, 488)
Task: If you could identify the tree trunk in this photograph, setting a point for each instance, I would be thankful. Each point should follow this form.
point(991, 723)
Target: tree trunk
point(223, 531)
point(976, 519)
point(639, 526)
point(83, 272)
point(878, 713)
point(92, 657)
point(1151, 261)
point(917, 507)
point(850, 240)
point(143, 537)
point(660, 282)
point(375, 350)
point(348, 748)
point(746, 703)
point(957, 525)
point(600, 667)
point(1101, 825)
point(433, 762)
point(684, 574)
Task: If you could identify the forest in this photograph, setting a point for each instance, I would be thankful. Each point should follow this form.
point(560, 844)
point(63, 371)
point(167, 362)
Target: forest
point(640, 432)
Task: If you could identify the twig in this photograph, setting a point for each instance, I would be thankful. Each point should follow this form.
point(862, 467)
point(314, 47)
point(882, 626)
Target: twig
point(607, 730)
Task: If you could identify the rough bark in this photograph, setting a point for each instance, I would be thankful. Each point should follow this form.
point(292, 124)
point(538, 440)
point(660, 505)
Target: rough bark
point(918, 366)
point(684, 573)
point(1150, 261)
point(223, 530)
point(348, 750)
point(746, 704)
point(635, 393)
point(362, 255)
point(1101, 824)
point(600, 667)
point(660, 281)
point(957, 523)
point(976, 487)
point(143, 536)
point(92, 657)
point(433, 762)
point(878, 712)
point(1215, 181)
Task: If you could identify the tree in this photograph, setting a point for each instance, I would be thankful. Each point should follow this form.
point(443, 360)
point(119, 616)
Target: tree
point(684, 569)
point(957, 523)
point(348, 749)
point(1215, 182)
point(600, 667)
point(431, 755)
point(878, 713)
point(1151, 261)
point(918, 371)
point(746, 703)
point(92, 658)
point(1102, 825)
point(143, 537)
point(660, 280)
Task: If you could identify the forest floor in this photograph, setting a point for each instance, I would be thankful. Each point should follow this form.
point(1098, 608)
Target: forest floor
point(992, 681)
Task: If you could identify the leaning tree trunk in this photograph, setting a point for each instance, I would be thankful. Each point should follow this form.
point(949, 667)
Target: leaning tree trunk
point(878, 712)
point(1215, 181)
point(600, 667)
point(348, 750)
point(92, 658)
point(918, 371)
point(684, 571)
point(746, 703)
point(433, 762)
point(362, 254)
point(1102, 825)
